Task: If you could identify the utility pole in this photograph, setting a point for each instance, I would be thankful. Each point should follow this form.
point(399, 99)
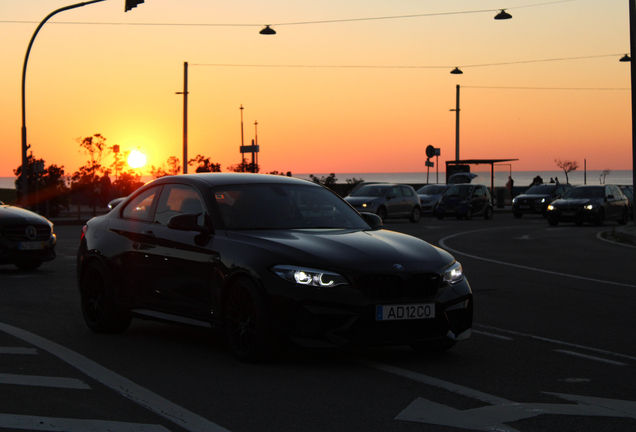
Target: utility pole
point(457, 124)
point(185, 117)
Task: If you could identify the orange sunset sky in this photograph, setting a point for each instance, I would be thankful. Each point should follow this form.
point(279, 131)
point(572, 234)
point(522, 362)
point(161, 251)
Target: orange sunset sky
point(331, 92)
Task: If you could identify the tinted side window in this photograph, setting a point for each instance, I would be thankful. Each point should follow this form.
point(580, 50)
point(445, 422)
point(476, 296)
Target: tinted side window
point(178, 199)
point(406, 191)
point(140, 208)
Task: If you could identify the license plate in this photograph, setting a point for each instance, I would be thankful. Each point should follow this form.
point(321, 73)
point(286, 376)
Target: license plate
point(405, 312)
point(30, 245)
point(524, 206)
point(568, 213)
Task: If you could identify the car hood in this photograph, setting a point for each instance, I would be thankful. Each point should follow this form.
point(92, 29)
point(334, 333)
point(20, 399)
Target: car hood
point(578, 201)
point(13, 215)
point(453, 199)
point(532, 196)
point(348, 249)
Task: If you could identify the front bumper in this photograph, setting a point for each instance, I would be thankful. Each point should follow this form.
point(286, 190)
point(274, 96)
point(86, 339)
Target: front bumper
point(314, 321)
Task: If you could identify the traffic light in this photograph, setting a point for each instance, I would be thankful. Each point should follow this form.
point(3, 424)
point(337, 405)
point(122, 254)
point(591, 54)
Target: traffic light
point(132, 3)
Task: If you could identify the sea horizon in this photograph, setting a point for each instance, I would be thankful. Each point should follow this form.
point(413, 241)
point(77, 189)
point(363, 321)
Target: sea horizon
point(521, 178)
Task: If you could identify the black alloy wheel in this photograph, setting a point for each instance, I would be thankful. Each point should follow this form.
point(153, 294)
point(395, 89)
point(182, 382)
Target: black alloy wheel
point(97, 295)
point(488, 213)
point(624, 217)
point(247, 324)
point(416, 213)
point(469, 214)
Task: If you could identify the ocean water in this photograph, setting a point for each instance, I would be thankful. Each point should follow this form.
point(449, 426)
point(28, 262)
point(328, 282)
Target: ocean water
point(521, 178)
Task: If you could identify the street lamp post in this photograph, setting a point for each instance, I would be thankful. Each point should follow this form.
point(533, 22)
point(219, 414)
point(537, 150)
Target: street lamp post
point(25, 146)
point(129, 4)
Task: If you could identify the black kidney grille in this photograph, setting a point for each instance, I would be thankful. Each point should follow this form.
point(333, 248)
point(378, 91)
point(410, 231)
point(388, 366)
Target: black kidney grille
point(19, 232)
point(394, 287)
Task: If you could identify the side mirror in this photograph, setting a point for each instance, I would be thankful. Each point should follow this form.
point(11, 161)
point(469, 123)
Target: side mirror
point(187, 222)
point(374, 221)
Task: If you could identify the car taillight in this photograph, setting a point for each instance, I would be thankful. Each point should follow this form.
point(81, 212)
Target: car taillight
point(84, 229)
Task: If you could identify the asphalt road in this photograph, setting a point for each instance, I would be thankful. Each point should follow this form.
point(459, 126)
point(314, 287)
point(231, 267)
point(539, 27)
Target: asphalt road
point(552, 350)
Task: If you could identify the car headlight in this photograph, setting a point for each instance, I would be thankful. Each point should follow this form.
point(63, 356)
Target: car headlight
point(309, 277)
point(541, 201)
point(551, 207)
point(589, 207)
point(514, 200)
point(454, 273)
point(365, 205)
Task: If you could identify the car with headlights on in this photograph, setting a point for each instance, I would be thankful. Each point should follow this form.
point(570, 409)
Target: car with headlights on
point(464, 201)
point(269, 261)
point(536, 199)
point(387, 201)
point(26, 238)
point(596, 204)
point(430, 195)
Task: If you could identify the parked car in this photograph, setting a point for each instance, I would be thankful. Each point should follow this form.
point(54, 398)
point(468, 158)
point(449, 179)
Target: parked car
point(267, 259)
point(430, 195)
point(26, 238)
point(594, 204)
point(536, 199)
point(387, 201)
point(465, 201)
point(628, 191)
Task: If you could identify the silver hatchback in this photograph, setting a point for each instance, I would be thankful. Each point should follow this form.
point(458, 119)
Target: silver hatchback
point(387, 201)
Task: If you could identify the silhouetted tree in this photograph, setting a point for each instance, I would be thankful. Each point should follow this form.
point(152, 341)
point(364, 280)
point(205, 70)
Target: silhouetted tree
point(567, 166)
point(244, 166)
point(204, 164)
point(325, 181)
point(86, 181)
point(46, 186)
point(173, 168)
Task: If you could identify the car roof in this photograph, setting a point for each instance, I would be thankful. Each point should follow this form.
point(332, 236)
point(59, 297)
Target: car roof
point(223, 179)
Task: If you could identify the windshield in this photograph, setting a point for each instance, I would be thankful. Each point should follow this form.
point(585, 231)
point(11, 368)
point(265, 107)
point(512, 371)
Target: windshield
point(431, 190)
point(461, 191)
point(541, 190)
point(275, 206)
point(585, 192)
point(371, 191)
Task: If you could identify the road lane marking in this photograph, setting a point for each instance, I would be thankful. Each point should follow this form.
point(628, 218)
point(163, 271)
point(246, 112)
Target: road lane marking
point(442, 243)
point(149, 400)
point(43, 381)
point(589, 357)
point(17, 350)
point(22, 422)
point(554, 341)
point(501, 411)
point(492, 335)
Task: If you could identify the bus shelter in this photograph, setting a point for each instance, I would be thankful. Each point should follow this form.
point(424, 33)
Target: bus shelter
point(463, 166)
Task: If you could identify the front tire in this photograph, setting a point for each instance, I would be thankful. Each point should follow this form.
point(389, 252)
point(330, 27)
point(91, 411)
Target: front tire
point(97, 296)
point(600, 218)
point(382, 213)
point(416, 214)
point(624, 217)
point(247, 323)
point(488, 213)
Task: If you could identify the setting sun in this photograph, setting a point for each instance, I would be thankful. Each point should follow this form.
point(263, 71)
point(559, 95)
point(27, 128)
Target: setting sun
point(136, 159)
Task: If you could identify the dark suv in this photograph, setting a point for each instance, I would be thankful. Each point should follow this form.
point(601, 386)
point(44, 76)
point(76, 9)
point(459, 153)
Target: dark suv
point(537, 198)
point(465, 201)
